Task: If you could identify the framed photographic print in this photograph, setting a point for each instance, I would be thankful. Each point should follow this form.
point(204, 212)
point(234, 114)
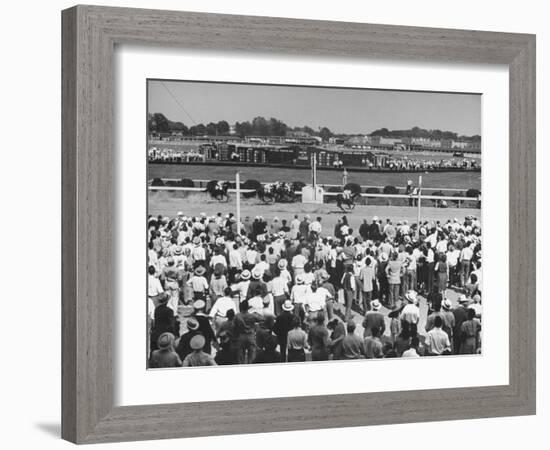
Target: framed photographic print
point(320, 214)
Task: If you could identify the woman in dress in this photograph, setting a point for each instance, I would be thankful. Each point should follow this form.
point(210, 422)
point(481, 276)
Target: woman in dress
point(442, 274)
point(469, 334)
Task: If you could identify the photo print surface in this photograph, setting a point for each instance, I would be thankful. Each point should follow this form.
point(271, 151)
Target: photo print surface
point(291, 224)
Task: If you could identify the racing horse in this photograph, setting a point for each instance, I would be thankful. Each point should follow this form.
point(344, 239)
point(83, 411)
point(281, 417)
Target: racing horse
point(278, 191)
point(218, 189)
point(346, 198)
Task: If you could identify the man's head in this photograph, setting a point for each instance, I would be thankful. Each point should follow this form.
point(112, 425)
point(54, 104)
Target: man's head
point(438, 322)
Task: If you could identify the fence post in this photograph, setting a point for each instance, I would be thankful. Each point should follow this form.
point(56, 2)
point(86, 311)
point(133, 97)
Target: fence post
point(418, 210)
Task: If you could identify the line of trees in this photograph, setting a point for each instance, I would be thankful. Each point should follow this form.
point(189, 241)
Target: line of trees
point(417, 132)
point(260, 126)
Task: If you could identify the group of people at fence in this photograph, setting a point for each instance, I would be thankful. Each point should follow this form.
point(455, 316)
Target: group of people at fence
point(272, 291)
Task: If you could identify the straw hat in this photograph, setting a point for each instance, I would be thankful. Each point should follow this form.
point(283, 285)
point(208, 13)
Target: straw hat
point(199, 304)
point(245, 275)
point(256, 274)
point(375, 305)
point(411, 296)
point(165, 340)
point(200, 271)
point(288, 306)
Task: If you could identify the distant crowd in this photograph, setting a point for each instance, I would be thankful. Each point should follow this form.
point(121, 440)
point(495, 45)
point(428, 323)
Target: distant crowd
point(273, 291)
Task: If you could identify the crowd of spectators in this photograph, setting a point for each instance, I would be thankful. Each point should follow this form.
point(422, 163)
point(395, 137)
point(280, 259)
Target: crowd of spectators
point(273, 291)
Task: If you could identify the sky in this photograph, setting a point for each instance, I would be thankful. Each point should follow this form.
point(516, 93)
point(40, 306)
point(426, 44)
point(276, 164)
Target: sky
point(351, 111)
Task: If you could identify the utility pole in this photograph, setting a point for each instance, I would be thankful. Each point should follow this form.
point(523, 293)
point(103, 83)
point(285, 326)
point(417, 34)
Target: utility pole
point(418, 209)
point(238, 194)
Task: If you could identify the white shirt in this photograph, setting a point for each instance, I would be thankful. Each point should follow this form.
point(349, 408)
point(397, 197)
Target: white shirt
point(430, 257)
point(285, 274)
point(299, 293)
point(441, 246)
point(242, 287)
point(317, 300)
point(279, 286)
point(251, 256)
point(198, 253)
point(315, 226)
point(411, 260)
point(452, 257)
point(466, 254)
point(299, 261)
point(154, 287)
point(222, 305)
point(235, 259)
point(410, 313)
point(199, 284)
point(261, 267)
point(218, 259)
point(256, 304)
point(410, 353)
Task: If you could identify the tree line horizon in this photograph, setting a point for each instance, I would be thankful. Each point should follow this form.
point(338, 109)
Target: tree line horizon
point(260, 126)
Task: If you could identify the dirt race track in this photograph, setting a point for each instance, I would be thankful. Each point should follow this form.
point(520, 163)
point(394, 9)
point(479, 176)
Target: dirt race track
point(192, 204)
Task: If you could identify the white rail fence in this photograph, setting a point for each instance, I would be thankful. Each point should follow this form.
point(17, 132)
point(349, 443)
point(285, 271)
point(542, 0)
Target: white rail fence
point(327, 185)
point(404, 196)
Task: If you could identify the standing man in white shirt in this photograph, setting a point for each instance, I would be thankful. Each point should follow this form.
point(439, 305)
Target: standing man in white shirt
point(218, 313)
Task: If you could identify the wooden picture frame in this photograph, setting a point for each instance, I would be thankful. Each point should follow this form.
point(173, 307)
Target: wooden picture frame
point(90, 34)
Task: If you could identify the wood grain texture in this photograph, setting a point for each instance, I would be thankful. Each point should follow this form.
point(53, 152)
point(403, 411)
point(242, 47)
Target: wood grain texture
point(89, 37)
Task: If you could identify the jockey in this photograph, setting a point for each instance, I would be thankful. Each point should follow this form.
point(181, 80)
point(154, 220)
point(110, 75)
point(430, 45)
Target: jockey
point(219, 185)
point(346, 195)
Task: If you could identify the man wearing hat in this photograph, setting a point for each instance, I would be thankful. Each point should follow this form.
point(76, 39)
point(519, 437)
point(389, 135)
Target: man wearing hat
point(242, 286)
point(447, 318)
point(184, 348)
point(198, 357)
point(298, 295)
point(374, 318)
point(204, 325)
point(411, 311)
point(282, 266)
point(245, 332)
point(383, 285)
point(165, 356)
point(437, 341)
point(198, 283)
point(368, 278)
point(460, 313)
point(164, 321)
point(255, 284)
point(218, 283)
point(279, 290)
point(283, 324)
point(218, 313)
point(198, 252)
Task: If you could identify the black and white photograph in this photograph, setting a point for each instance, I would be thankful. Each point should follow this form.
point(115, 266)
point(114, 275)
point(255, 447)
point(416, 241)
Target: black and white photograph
point(292, 224)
